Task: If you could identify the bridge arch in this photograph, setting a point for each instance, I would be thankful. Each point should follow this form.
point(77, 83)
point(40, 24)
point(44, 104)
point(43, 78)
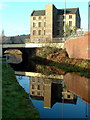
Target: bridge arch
point(27, 53)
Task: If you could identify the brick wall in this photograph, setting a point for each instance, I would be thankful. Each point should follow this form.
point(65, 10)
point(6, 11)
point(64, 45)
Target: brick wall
point(78, 47)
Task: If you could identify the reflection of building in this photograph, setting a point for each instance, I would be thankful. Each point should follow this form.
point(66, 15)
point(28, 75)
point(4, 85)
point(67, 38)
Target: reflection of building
point(68, 97)
point(48, 24)
point(51, 91)
point(36, 86)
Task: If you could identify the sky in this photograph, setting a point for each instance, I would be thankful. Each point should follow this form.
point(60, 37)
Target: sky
point(15, 16)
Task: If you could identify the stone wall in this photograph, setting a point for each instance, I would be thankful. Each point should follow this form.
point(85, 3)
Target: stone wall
point(36, 37)
point(78, 47)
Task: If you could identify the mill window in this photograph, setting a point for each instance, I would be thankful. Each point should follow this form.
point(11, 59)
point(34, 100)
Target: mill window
point(34, 32)
point(39, 24)
point(39, 32)
point(34, 18)
point(70, 16)
point(70, 23)
point(34, 24)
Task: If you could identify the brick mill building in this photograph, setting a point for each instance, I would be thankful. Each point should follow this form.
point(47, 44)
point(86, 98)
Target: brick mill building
point(48, 25)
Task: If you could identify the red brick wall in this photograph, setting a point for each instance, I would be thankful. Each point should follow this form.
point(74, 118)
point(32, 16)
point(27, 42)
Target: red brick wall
point(78, 47)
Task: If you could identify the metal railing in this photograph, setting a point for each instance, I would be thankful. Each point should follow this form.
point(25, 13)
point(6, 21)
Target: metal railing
point(5, 58)
point(75, 35)
point(45, 40)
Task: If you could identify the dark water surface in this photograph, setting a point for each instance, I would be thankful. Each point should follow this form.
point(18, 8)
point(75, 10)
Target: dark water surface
point(55, 95)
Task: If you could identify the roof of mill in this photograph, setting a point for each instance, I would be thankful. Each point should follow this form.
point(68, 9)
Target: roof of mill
point(60, 11)
point(38, 13)
point(68, 11)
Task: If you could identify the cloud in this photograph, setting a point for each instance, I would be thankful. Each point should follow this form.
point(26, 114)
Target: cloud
point(2, 5)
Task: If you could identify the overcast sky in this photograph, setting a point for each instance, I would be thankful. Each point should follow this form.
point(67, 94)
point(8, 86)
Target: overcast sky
point(15, 16)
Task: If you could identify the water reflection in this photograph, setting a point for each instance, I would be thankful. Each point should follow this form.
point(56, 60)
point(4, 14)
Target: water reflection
point(55, 94)
point(65, 98)
point(78, 85)
point(51, 91)
point(24, 82)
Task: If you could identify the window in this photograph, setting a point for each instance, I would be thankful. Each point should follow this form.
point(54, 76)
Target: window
point(58, 32)
point(44, 24)
point(70, 16)
point(70, 23)
point(62, 31)
point(39, 32)
point(34, 18)
point(32, 92)
point(38, 80)
point(38, 87)
point(64, 23)
point(44, 32)
point(68, 96)
point(64, 17)
point(39, 18)
point(34, 32)
point(33, 80)
point(34, 24)
point(38, 93)
point(39, 24)
point(32, 86)
point(58, 24)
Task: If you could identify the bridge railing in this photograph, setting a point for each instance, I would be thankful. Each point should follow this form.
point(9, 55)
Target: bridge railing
point(81, 33)
point(45, 40)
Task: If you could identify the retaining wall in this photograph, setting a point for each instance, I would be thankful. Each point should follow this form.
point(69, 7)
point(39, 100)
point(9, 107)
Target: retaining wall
point(78, 47)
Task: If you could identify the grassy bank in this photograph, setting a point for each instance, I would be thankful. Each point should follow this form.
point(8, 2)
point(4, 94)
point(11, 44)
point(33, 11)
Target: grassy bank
point(15, 101)
point(59, 59)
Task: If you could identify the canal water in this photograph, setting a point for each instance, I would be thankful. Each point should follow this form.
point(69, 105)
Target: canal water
point(54, 94)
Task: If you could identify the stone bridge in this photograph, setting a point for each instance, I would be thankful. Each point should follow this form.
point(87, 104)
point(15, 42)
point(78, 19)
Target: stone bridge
point(77, 47)
point(29, 49)
point(33, 45)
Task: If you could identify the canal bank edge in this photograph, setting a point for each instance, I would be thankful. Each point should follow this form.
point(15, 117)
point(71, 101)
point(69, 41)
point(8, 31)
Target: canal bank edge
point(60, 59)
point(15, 102)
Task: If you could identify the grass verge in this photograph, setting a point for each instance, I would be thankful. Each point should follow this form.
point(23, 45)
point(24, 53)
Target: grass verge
point(15, 101)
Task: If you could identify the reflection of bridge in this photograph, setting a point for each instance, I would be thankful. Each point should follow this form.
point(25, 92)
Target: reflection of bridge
point(40, 75)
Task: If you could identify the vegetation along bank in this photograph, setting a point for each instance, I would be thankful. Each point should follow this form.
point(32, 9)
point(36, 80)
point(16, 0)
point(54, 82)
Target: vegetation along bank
point(15, 101)
point(59, 58)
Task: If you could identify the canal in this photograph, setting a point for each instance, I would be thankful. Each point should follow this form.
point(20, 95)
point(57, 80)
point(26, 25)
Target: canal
point(54, 92)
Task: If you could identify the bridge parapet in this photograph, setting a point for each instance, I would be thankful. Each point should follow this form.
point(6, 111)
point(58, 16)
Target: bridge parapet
point(34, 45)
